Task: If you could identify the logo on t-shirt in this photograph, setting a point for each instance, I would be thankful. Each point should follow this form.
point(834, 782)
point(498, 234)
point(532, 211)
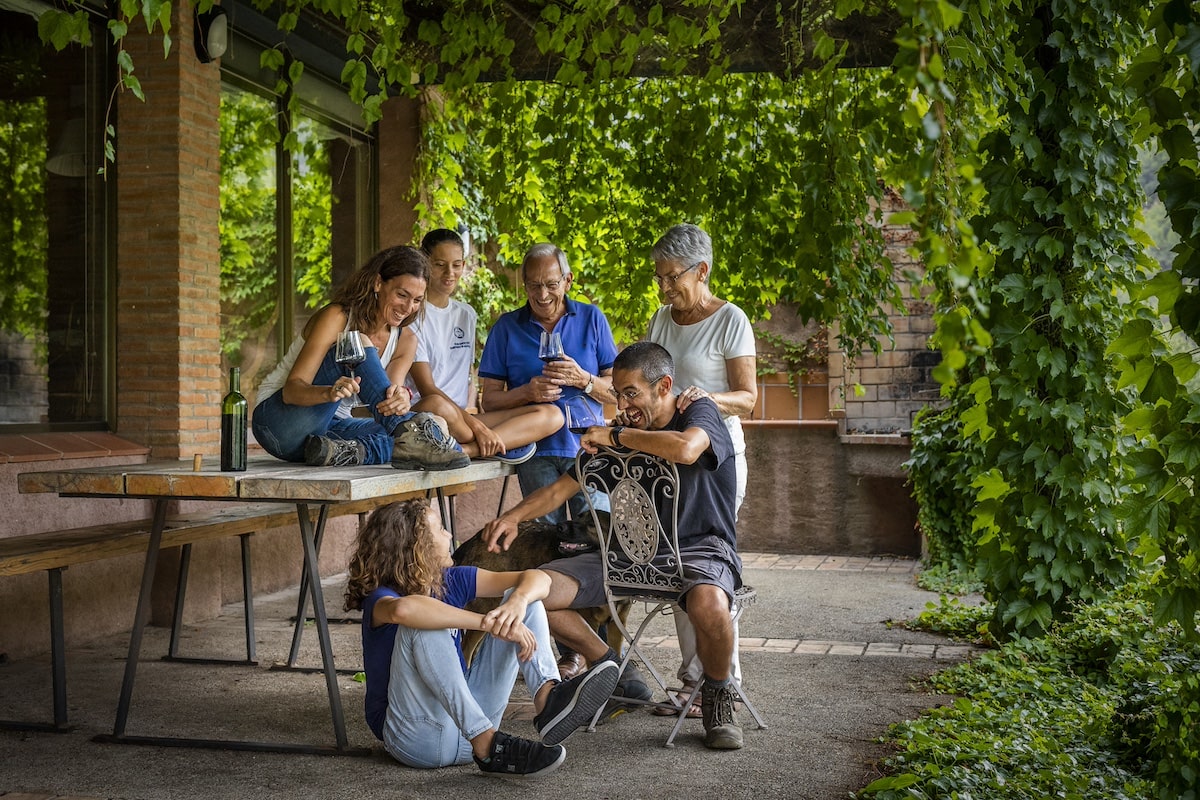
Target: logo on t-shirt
point(460, 339)
point(459, 332)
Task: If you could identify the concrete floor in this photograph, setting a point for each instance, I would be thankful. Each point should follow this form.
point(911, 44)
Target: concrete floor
point(820, 658)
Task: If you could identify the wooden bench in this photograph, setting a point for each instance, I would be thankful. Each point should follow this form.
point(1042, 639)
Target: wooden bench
point(54, 551)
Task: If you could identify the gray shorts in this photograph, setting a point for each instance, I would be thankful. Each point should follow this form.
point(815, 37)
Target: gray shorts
point(710, 561)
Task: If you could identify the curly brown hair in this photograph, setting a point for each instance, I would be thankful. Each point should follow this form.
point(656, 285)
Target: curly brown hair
point(395, 549)
point(357, 295)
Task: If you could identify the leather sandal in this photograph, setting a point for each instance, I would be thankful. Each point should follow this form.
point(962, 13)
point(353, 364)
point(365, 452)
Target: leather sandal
point(681, 696)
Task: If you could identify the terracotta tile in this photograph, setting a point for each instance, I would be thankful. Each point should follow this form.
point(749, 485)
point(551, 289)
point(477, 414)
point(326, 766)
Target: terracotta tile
point(24, 448)
point(780, 403)
point(814, 402)
point(69, 444)
point(113, 445)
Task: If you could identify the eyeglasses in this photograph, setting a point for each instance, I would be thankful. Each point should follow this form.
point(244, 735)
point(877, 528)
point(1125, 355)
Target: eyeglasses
point(550, 286)
point(629, 395)
point(671, 280)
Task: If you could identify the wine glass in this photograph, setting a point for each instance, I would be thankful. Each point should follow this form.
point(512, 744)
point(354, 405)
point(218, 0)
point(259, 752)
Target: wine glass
point(351, 353)
point(580, 414)
point(550, 348)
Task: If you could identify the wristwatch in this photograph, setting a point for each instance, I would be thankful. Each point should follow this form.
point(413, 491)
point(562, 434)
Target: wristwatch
point(591, 384)
point(616, 435)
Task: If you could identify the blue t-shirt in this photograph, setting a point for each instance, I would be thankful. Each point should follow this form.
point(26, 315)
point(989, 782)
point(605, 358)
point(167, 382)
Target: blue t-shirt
point(511, 355)
point(707, 488)
point(378, 643)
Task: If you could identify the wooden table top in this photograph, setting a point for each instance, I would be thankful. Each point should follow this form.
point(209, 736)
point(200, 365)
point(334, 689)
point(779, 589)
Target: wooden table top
point(265, 479)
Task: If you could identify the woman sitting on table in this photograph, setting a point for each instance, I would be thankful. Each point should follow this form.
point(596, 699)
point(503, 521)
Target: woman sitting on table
point(427, 707)
point(305, 404)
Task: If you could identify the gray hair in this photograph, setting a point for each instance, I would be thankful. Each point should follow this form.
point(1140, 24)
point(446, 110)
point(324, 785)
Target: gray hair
point(540, 251)
point(685, 244)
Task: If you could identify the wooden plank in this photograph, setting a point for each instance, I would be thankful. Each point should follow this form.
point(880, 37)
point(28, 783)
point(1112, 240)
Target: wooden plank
point(22, 554)
point(40, 551)
point(344, 484)
point(101, 481)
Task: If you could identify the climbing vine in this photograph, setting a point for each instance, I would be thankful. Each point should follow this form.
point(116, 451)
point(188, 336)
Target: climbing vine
point(1010, 126)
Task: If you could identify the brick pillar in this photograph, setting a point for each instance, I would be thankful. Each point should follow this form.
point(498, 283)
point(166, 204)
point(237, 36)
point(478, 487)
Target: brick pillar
point(399, 140)
point(169, 381)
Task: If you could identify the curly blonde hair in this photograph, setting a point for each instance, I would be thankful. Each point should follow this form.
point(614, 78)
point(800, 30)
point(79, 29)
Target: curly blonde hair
point(395, 549)
point(357, 295)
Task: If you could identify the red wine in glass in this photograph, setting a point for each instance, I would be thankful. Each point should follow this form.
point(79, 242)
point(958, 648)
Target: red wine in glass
point(580, 415)
point(550, 347)
point(350, 353)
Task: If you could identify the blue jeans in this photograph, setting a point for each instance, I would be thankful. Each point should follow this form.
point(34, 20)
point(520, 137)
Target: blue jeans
point(281, 428)
point(434, 710)
point(542, 471)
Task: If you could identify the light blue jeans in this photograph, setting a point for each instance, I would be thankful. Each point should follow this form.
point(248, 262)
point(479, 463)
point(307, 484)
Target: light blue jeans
point(542, 471)
point(281, 428)
point(434, 710)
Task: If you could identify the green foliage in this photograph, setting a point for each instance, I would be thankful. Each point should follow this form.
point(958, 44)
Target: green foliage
point(1105, 706)
point(942, 464)
point(1160, 364)
point(956, 619)
point(602, 170)
point(946, 579)
point(1034, 218)
point(249, 255)
point(24, 235)
point(794, 358)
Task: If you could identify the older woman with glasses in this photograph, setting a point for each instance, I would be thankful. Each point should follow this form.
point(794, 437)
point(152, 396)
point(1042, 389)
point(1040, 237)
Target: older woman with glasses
point(712, 344)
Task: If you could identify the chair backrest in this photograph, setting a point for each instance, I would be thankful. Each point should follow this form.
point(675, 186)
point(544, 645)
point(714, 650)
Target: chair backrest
point(639, 544)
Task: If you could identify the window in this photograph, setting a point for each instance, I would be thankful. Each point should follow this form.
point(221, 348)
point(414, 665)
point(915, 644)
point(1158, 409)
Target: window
point(294, 223)
point(54, 270)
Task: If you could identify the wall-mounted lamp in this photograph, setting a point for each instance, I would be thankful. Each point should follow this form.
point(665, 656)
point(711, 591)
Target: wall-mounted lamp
point(212, 34)
point(68, 157)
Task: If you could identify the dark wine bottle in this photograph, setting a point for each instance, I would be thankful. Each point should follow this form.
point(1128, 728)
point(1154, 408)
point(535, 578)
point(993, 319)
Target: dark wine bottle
point(233, 425)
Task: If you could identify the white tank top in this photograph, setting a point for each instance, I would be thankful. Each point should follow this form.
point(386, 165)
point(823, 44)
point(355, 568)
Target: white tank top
point(277, 377)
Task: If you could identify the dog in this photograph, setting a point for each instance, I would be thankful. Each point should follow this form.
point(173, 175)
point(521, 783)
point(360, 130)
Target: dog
point(538, 543)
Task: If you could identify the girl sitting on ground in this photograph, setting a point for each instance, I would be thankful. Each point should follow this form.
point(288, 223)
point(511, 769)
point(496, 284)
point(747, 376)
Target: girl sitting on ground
point(428, 713)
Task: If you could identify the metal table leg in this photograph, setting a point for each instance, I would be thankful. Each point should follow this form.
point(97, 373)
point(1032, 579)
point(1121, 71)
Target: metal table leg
point(141, 617)
point(58, 665)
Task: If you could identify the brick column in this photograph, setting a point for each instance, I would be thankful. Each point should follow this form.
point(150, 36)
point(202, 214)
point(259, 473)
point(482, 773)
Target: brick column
point(399, 139)
point(168, 267)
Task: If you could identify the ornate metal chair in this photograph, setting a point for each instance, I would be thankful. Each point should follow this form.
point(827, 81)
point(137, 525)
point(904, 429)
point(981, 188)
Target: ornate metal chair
point(639, 549)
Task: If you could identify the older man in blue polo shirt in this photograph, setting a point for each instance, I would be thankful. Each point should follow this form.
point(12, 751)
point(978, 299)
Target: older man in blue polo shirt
point(512, 374)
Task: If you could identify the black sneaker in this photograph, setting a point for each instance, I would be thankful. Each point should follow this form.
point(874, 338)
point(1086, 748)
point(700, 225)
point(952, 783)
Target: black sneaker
point(421, 443)
point(632, 685)
point(574, 702)
point(721, 728)
point(321, 451)
point(523, 758)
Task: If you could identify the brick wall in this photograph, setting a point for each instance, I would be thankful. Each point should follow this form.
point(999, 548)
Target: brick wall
point(169, 381)
point(881, 393)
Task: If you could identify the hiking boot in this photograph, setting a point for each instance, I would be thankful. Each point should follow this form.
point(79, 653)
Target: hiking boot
point(321, 451)
point(421, 443)
point(515, 757)
point(721, 729)
point(574, 702)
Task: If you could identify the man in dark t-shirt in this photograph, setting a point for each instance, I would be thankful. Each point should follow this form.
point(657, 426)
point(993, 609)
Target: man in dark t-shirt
point(698, 443)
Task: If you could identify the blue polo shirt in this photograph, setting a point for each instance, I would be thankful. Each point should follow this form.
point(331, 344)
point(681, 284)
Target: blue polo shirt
point(511, 355)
